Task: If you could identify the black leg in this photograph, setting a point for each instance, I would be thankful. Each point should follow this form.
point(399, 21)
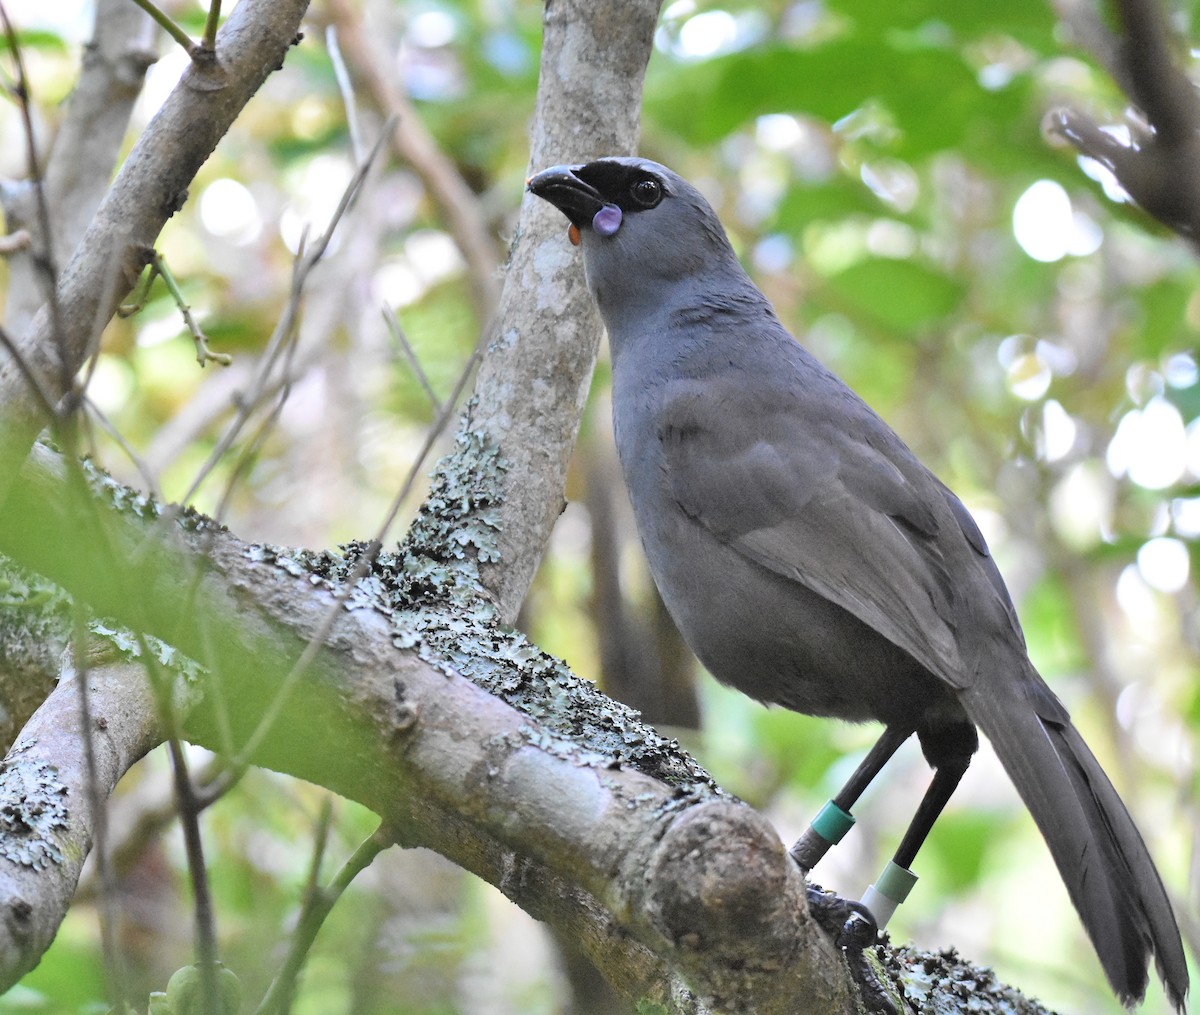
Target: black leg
point(834, 820)
point(893, 885)
point(945, 781)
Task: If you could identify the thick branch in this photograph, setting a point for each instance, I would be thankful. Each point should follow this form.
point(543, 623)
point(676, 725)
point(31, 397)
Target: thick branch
point(657, 879)
point(535, 375)
point(46, 825)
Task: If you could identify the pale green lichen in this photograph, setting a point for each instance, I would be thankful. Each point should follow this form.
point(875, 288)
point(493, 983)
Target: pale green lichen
point(945, 982)
point(127, 500)
point(129, 646)
point(430, 590)
point(34, 810)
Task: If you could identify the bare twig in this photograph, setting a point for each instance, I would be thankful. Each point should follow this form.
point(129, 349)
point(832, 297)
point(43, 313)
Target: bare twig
point(86, 146)
point(397, 333)
point(346, 87)
point(95, 413)
point(162, 684)
point(281, 337)
point(36, 385)
point(1159, 87)
point(317, 905)
point(182, 135)
point(209, 40)
point(413, 143)
point(158, 269)
point(114, 966)
point(238, 765)
point(169, 25)
point(43, 258)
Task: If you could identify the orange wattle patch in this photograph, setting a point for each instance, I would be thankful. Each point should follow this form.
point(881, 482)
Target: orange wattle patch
point(573, 234)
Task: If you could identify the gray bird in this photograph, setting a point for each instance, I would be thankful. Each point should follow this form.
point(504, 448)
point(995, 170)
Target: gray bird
point(810, 560)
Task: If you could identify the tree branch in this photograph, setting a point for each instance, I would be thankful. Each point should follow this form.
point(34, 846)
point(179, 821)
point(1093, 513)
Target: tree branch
point(412, 142)
point(558, 796)
point(47, 822)
point(150, 188)
point(1158, 167)
point(86, 148)
point(535, 375)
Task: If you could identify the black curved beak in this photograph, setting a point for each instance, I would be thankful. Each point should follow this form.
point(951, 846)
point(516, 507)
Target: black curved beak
point(575, 198)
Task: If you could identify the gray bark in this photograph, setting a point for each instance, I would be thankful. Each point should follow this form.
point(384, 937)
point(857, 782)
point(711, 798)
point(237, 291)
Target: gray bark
point(535, 376)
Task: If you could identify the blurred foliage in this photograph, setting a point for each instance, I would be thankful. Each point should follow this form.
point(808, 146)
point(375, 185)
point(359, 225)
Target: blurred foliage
point(867, 159)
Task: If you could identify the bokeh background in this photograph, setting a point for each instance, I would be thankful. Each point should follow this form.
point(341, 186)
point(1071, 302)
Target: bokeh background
point(883, 173)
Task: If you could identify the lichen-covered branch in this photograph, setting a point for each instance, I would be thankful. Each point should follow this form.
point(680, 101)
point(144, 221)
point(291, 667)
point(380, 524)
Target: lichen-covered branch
point(46, 824)
point(459, 733)
point(537, 783)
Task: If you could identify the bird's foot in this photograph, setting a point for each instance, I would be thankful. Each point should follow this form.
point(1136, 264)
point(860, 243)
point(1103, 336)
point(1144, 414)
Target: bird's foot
point(849, 923)
point(853, 930)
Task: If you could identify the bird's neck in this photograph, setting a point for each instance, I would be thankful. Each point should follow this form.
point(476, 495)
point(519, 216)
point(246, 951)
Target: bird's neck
point(693, 317)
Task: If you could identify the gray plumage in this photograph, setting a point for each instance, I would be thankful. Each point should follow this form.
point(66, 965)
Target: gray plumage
point(809, 558)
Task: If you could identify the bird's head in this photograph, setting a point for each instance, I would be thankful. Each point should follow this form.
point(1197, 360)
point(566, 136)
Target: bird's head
point(641, 227)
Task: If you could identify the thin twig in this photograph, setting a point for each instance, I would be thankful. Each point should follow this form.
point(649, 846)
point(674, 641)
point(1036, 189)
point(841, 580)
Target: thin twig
point(305, 261)
point(113, 965)
point(91, 357)
point(317, 905)
point(239, 765)
point(211, 22)
point(162, 685)
point(251, 449)
point(94, 412)
point(189, 822)
point(346, 87)
point(168, 25)
point(159, 269)
point(203, 352)
point(1159, 87)
point(413, 142)
point(1157, 169)
point(401, 340)
point(36, 384)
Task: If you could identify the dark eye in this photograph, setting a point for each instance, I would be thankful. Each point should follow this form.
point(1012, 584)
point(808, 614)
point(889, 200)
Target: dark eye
point(646, 192)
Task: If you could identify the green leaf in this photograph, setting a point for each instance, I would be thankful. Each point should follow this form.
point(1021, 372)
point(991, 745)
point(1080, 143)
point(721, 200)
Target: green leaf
point(35, 38)
point(839, 198)
point(1164, 315)
point(901, 295)
point(931, 92)
point(1030, 21)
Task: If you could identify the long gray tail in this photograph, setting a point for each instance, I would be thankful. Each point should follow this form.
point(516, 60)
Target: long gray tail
point(1100, 855)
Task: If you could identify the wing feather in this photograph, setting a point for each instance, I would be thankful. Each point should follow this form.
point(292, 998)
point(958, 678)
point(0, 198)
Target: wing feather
point(821, 507)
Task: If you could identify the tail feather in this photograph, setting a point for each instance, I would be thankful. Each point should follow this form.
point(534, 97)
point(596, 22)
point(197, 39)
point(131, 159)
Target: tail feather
point(1100, 855)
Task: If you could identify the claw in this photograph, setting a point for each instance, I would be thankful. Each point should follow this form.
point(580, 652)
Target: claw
point(860, 930)
point(853, 930)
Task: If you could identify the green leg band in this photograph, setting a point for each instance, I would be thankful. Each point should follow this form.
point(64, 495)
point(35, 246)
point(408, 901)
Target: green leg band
point(832, 823)
point(890, 889)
